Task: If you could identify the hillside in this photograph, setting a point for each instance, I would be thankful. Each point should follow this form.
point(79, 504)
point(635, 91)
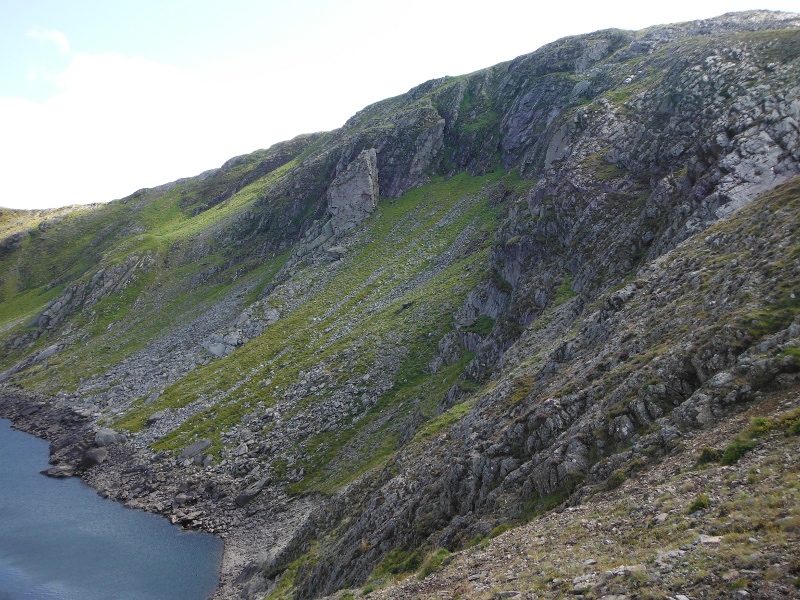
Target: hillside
point(496, 295)
point(687, 526)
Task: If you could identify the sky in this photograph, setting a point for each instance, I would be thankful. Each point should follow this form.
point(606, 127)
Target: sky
point(101, 98)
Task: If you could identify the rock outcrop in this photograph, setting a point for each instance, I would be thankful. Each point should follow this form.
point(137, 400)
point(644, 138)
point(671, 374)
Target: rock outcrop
point(353, 194)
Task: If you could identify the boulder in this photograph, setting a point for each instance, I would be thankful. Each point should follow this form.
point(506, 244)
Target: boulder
point(217, 349)
point(109, 437)
point(337, 252)
point(156, 416)
point(194, 449)
point(93, 457)
point(232, 339)
point(251, 492)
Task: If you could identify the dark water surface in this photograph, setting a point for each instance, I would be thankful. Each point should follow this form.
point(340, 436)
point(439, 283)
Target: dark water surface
point(60, 540)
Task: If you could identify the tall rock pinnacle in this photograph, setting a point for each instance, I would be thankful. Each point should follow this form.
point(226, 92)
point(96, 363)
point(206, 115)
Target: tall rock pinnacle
point(353, 194)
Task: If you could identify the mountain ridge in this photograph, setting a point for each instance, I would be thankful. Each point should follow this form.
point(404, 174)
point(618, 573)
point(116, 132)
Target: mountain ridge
point(474, 301)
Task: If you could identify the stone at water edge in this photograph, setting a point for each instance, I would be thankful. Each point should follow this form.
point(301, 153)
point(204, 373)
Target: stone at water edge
point(95, 456)
point(59, 471)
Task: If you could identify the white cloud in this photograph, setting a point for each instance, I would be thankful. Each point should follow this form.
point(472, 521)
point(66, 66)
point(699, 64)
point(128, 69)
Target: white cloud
point(117, 124)
point(52, 36)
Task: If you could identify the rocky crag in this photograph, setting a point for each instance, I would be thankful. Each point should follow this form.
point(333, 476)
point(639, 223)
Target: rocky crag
point(497, 294)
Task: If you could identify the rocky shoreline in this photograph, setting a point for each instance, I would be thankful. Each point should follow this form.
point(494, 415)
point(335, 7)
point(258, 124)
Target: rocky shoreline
point(104, 460)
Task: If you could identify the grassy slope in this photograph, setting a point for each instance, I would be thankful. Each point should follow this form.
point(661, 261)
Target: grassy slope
point(73, 246)
point(356, 306)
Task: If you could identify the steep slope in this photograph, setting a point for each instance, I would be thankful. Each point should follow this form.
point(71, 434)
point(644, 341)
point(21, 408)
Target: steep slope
point(469, 304)
point(685, 526)
point(590, 400)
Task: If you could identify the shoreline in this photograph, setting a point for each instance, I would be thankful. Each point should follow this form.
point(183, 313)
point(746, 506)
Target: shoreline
point(191, 497)
point(141, 552)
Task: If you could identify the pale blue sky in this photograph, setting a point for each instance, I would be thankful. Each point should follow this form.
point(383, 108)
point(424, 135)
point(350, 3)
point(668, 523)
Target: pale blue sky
point(101, 98)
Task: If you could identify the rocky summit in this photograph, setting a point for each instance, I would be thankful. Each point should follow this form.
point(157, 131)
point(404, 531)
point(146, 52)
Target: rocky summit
point(528, 332)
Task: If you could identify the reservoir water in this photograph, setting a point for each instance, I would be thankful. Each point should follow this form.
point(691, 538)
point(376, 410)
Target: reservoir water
point(60, 540)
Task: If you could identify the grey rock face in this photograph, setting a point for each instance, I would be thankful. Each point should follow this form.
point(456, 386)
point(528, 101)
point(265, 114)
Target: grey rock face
point(408, 141)
point(46, 353)
point(104, 282)
point(353, 195)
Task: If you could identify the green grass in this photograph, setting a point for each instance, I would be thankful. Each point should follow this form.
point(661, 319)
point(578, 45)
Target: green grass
point(486, 119)
point(500, 529)
point(647, 81)
point(433, 562)
point(771, 318)
point(405, 238)
point(443, 422)
point(483, 122)
point(702, 502)
point(397, 562)
point(517, 184)
point(601, 168)
point(564, 293)
point(482, 326)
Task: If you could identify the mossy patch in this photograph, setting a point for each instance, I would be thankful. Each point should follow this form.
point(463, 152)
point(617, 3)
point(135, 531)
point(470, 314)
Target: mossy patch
point(482, 326)
point(601, 168)
point(564, 293)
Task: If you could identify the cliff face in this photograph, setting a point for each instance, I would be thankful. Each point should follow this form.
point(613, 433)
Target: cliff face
point(489, 295)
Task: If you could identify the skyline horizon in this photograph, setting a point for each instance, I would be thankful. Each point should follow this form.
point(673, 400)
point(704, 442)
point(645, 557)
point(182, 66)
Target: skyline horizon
point(107, 124)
